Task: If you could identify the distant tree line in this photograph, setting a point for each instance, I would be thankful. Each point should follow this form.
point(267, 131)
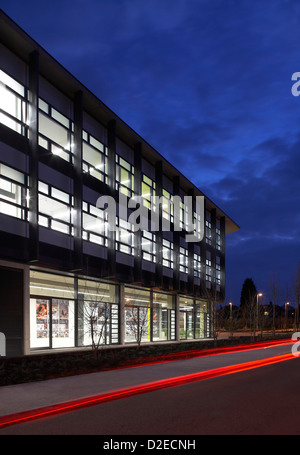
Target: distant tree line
point(256, 312)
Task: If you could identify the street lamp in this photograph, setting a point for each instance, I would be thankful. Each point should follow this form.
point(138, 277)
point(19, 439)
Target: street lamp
point(257, 295)
point(230, 306)
point(286, 304)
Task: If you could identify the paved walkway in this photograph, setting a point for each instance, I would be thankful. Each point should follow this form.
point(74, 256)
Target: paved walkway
point(28, 396)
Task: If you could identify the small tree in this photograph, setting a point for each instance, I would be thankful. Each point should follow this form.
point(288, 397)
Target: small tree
point(94, 316)
point(137, 321)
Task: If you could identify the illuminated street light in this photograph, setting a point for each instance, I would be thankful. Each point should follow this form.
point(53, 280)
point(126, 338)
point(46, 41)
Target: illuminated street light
point(230, 306)
point(257, 295)
point(286, 304)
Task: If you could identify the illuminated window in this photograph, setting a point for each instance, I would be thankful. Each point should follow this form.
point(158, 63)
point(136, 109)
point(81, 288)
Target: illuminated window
point(208, 270)
point(124, 237)
point(167, 205)
point(55, 209)
point(183, 260)
point(52, 315)
point(202, 329)
point(55, 131)
point(12, 103)
point(124, 176)
point(197, 265)
point(218, 239)
point(183, 215)
point(218, 272)
point(148, 246)
point(94, 157)
point(208, 232)
point(137, 315)
point(163, 320)
point(197, 224)
point(13, 200)
point(186, 318)
point(94, 224)
point(148, 190)
point(167, 254)
point(98, 313)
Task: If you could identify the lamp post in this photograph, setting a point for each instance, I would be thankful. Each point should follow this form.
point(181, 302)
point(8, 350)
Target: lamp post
point(286, 304)
point(230, 306)
point(259, 294)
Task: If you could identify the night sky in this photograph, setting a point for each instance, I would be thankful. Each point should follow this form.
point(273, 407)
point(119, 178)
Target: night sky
point(208, 85)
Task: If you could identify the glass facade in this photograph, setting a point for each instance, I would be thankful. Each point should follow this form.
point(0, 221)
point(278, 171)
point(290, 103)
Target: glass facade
point(12, 103)
point(13, 192)
point(137, 315)
point(56, 207)
point(149, 316)
point(68, 311)
point(94, 156)
point(202, 319)
point(61, 151)
point(164, 317)
point(186, 318)
point(98, 313)
point(67, 314)
point(52, 311)
point(58, 303)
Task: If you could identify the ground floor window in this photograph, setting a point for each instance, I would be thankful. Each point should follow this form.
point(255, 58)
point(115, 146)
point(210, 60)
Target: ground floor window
point(52, 323)
point(68, 311)
point(149, 316)
point(186, 318)
point(98, 313)
point(194, 319)
point(98, 322)
point(164, 317)
point(202, 321)
point(137, 315)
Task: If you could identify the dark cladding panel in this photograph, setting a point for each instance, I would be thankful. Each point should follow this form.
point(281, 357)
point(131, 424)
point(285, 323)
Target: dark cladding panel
point(11, 310)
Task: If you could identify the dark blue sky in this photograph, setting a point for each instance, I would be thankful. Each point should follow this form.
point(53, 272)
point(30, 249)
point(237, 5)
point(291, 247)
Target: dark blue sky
point(208, 84)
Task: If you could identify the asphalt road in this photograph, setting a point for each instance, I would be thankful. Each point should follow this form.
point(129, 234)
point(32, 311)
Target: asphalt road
point(262, 401)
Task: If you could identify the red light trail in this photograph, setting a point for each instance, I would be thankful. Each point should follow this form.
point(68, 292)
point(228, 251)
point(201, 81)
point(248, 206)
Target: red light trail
point(192, 353)
point(74, 405)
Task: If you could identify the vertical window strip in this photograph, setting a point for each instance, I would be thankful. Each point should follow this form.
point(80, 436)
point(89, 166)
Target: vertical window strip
point(13, 193)
point(55, 131)
point(148, 246)
point(124, 237)
point(197, 265)
point(13, 106)
point(124, 176)
point(94, 225)
point(148, 190)
point(168, 254)
point(183, 260)
point(94, 157)
point(55, 209)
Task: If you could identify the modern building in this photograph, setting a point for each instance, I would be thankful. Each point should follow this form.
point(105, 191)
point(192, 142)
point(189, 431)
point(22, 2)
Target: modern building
point(61, 267)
